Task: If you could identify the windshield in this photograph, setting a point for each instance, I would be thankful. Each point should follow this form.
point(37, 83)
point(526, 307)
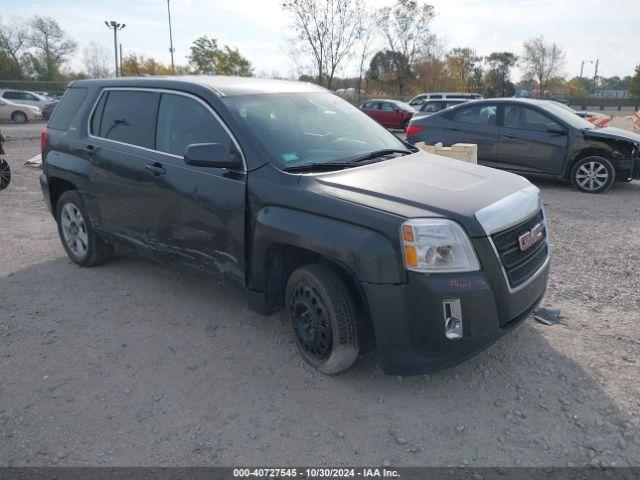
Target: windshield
point(568, 115)
point(305, 128)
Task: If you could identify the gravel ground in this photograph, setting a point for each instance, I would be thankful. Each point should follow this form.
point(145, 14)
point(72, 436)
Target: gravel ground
point(135, 364)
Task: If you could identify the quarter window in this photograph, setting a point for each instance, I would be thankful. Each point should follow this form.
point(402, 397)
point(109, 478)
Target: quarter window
point(184, 121)
point(66, 111)
point(478, 114)
point(128, 117)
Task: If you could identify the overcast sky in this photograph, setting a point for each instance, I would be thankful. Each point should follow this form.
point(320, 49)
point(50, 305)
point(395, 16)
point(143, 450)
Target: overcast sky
point(585, 29)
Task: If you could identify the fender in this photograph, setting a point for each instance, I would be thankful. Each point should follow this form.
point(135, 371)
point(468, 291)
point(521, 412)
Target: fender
point(69, 167)
point(368, 254)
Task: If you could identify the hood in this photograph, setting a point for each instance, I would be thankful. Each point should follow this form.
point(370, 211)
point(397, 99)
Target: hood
point(421, 185)
point(612, 133)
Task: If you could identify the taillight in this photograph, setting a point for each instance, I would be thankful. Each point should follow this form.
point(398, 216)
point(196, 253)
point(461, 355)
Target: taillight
point(411, 129)
point(43, 140)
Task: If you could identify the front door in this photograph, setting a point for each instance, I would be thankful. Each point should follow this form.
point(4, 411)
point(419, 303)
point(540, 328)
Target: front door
point(390, 115)
point(531, 141)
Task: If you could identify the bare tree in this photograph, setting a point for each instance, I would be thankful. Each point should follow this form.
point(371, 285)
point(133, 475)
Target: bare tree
point(365, 45)
point(328, 29)
point(541, 60)
point(51, 44)
point(13, 39)
point(405, 27)
point(97, 60)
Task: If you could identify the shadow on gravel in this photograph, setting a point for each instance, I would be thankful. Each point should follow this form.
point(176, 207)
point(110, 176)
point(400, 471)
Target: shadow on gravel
point(134, 364)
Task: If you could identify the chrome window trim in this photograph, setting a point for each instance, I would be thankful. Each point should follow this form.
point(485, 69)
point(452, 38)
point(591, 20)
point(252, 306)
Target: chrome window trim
point(168, 91)
point(542, 267)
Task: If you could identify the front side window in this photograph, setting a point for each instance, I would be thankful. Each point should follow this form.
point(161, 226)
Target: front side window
point(184, 121)
point(516, 116)
point(303, 128)
point(478, 114)
point(30, 97)
point(388, 106)
point(127, 117)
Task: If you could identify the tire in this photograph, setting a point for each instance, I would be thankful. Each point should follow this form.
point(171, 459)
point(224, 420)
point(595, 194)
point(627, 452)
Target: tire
point(593, 174)
point(323, 316)
point(5, 174)
point(19, 117)
point(79, 240)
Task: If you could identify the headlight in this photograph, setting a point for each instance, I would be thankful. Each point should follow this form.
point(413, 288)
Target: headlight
point(36, 110)
point(433, 245)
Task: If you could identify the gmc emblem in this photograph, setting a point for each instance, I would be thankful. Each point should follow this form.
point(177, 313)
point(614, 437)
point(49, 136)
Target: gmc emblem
point(528, 239)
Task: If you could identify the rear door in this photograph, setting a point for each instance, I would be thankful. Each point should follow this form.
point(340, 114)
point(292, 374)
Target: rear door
point(121, 138)
point(474, 124)
point(526, 145)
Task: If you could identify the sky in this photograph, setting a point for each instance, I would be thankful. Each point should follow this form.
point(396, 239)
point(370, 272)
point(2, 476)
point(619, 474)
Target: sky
point(585, 29)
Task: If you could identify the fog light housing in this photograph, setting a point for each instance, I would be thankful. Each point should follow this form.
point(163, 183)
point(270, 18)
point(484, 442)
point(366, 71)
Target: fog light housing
point(452, 318)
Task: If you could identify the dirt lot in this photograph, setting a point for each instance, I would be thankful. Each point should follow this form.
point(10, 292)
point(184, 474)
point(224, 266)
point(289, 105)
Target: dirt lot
point(134, 364)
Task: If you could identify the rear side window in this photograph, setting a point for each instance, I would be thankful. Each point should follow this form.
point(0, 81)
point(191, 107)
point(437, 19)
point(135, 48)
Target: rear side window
point(127, 117)
point(12, 95)
point(66, 110)
point(370, 106)
point(183, 121)
point(478, 114)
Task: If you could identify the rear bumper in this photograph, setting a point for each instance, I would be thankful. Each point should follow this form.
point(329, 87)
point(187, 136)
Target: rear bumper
point(408, 320)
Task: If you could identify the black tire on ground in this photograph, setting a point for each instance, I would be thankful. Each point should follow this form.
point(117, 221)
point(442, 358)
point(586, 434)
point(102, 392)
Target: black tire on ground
point(79, 240)
point(593, 174)
point(19, 117)
point(5, 174)
point(323, 315)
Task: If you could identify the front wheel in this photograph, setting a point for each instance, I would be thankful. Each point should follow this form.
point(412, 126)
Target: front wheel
point(19, 117)
point(323, 315)
point(593, 174)
point(79, 240)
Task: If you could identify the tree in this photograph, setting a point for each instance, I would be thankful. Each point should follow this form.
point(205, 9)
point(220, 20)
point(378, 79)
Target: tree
point(405, 27)
point(136, 65)
point(465, 69)
point(578, 87)
point(327, 30)
point(634, 84)
point(365, 43)
point(389, 69)
point(51, 47)
point(207, 58)
point(13, 39)
point(497, 81)
point(97, 61)
point(541, 60)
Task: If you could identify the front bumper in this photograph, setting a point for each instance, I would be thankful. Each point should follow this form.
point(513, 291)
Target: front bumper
point(408, 319)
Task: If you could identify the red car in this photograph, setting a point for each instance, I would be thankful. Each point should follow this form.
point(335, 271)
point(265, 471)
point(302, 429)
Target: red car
point(388, 113)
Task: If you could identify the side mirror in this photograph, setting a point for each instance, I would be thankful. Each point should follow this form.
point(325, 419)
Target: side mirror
point(212, 155)
point(554, 128)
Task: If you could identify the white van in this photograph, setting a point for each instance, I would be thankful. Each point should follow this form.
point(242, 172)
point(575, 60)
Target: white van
point(423, 97)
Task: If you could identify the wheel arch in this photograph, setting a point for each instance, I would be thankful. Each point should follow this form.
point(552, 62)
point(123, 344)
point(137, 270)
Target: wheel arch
point(15, 112)
point(57, 186)
point(592, 151)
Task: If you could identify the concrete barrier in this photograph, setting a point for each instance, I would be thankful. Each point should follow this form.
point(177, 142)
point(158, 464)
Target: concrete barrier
point(467, 152)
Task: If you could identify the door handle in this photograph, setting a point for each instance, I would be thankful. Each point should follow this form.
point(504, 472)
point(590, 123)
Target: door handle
point(90, 150)
point(155, 168)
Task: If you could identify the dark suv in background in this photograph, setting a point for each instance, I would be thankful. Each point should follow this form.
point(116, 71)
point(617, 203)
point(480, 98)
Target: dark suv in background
point(311, 207)
point(534, 137)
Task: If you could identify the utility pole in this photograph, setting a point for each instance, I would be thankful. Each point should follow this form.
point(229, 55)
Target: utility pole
point(173, 67)
point(595, 76)
point(120, 59)
point(115, 26)
point(582, 66)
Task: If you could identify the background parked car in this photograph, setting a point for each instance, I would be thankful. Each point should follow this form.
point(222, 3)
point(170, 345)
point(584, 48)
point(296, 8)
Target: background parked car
point(17, 112)
point(423, 97)
point(28, 98)
point(599, 119)
point(433, 106)
point(388, 113)
point(48, 109)
point(537, 138)
point(55, 95)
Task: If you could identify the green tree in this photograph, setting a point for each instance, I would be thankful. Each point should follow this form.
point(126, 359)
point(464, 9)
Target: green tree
point(390, 70)
point(206, 57)
point(634, 84)
point(497, 82)
point(465, 69)
point(13, 40)
point(50, 45)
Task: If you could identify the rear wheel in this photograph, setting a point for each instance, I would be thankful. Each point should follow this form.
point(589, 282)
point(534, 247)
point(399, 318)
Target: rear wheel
point(5, 174)
point(79, 239)
point(19, 117)
point(323, 315)
point(593, 174)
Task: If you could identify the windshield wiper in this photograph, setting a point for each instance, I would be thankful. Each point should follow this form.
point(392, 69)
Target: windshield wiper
point(376, 154)
point(308, 167)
